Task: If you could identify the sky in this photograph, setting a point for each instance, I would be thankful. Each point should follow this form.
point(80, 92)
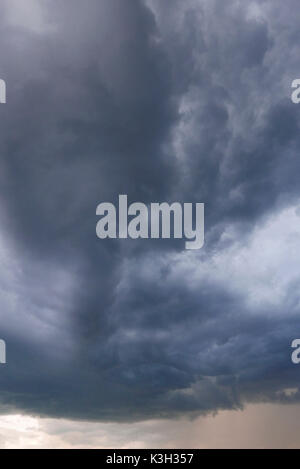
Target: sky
point(257, 427)
point(142, 343)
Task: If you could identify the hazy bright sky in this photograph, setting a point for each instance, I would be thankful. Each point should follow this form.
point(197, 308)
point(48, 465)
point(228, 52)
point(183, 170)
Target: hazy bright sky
point(259, 426)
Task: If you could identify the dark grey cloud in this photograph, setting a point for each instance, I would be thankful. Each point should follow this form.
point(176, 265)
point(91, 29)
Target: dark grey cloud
point(161, 101)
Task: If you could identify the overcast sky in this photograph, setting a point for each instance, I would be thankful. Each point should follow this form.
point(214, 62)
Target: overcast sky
point(162, 100)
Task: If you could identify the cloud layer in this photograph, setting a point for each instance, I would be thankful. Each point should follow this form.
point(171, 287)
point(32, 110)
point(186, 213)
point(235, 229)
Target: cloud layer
point(162, 101)
point(255, 428)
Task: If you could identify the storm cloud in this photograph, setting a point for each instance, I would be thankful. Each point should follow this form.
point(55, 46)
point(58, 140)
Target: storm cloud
point(163, 101)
